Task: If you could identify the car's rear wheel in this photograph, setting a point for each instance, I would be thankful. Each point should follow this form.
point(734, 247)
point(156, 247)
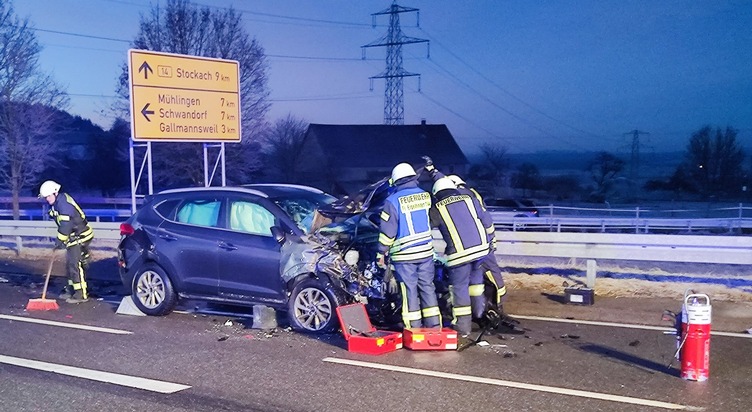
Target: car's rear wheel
point(312, 306)
point(153, 292)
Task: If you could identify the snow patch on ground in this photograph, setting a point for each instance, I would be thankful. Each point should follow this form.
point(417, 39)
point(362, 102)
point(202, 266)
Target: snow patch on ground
point(632, 279)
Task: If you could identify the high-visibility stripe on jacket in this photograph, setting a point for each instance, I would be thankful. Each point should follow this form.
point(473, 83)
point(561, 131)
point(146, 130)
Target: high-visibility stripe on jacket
point(405, 226)
point(72, 226)
point(483, 213)
point(464, 227)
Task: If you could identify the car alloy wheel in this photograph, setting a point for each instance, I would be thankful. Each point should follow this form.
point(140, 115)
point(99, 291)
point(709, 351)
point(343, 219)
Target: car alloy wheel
point(313, 309)
point(150, 289)
point(312, 304)
point(153, 292)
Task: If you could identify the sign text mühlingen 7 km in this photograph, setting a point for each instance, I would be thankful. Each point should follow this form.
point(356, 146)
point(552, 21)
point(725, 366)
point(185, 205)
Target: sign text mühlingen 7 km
point(183, 98)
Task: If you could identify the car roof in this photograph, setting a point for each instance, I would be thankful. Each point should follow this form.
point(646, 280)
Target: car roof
point(235, 189)
point(277, 189)
point(267, 190)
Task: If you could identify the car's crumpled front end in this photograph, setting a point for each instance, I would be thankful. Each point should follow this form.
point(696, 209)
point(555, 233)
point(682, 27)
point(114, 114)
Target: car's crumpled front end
point(343, 246)
point(319, 254)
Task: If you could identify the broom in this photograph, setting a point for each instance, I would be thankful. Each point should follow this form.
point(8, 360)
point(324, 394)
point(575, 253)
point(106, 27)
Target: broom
point(43, 303)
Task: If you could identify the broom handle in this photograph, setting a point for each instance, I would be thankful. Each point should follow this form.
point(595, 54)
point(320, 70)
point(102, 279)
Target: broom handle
point(47, 278)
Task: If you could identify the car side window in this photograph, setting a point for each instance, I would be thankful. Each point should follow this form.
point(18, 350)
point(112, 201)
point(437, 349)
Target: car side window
point(200, 212)
point(251, 217)
point(166, 209)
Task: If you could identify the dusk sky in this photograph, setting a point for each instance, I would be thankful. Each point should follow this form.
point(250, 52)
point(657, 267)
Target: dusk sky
point(527, 75)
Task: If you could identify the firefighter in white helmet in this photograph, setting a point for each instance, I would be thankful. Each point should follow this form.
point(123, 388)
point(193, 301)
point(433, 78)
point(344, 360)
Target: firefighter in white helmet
point(489, 265)
point(406, 240)
point(465, 230)
point(74, 234)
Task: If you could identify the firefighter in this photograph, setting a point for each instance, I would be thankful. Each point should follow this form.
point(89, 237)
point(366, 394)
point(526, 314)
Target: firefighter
point(465, 229)
point(406, 240)
point(491, 269)
point(74, 234)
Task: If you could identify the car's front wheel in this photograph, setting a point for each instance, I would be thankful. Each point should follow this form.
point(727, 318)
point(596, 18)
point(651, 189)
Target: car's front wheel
point(312, 306)
point(153, 292)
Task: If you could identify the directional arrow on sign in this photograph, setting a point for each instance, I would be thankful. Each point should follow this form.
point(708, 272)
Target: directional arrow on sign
point(146, 111)
point(146, 68)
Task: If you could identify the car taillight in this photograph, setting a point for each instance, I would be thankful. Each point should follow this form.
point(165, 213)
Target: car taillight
point(126, 229)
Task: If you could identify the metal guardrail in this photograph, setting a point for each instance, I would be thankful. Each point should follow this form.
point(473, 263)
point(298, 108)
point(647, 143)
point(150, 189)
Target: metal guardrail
point(617, 246)
point(622, 224)
point(734, 250)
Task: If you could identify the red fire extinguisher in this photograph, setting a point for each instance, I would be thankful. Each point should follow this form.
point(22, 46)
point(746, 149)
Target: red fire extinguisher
point(694, 350)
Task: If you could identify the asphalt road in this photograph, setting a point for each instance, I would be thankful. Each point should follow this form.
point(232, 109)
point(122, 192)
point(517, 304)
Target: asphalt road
point(553, 366)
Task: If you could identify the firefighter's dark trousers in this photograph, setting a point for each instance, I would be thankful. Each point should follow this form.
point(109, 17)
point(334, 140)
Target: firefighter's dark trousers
point(77, 261)
point(492, 272)
point(420, 306)
point(467, 295)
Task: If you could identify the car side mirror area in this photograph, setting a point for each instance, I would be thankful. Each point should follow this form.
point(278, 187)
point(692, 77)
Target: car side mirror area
point(279, 234)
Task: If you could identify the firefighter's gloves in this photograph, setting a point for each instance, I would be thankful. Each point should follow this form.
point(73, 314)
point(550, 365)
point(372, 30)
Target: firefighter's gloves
point(429, 167)
point(381, 261)
point(393, 286)
point(59, 245)
point(429, 162)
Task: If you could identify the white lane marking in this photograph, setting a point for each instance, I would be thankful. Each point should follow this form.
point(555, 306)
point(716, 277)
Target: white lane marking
point(512, 384)
point(66, 325)
point(625, 325)
point(107, 377)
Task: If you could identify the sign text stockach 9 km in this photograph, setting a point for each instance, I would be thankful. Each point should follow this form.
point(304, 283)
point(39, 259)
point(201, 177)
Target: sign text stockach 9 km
point(183, 98)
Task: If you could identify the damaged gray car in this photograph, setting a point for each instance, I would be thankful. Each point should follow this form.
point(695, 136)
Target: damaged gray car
point(290, 247)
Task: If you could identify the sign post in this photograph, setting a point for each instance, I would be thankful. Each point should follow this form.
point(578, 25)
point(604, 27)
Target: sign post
point(181, 98)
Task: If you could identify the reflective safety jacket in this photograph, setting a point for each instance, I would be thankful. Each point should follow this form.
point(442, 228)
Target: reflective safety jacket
point(405, 226)
point(72, 226)
point(483, 211)
point(465, 226)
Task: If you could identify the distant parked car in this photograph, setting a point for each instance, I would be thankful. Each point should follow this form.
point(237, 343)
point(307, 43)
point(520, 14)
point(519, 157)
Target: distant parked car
point(512, 207)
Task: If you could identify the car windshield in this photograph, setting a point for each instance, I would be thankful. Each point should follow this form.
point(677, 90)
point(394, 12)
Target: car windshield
point(301, 206)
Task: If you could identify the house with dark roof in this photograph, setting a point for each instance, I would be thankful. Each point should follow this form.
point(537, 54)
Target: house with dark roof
point(341, 158)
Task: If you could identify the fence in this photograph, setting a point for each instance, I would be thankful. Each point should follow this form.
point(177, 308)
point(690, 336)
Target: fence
point(97, 209)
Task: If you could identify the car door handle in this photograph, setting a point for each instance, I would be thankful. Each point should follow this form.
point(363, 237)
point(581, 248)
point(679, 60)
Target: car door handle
point(227, 246)
point(167, 237)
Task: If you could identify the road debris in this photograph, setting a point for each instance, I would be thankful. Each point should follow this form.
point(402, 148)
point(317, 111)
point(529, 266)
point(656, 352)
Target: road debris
point(483, 343)
point(634, 343)
point(223, 338)
point(3, 280)
point(228, 323)
point(568, 336)
point(509, 354)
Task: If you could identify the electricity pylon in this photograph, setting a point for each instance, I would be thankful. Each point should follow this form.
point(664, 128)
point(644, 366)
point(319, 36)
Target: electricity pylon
point(394, 106)
point(634, 162)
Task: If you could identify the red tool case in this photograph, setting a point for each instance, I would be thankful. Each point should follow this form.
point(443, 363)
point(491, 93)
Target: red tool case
point(360, 334)
point(430, 339)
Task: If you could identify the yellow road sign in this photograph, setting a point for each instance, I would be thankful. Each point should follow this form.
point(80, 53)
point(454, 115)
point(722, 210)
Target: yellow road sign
point(183, 98)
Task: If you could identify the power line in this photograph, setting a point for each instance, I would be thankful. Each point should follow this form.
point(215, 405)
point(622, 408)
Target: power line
point(436, 102)
point(481, 75)
point(88, 36)
point(332, 97)
point(546, 134)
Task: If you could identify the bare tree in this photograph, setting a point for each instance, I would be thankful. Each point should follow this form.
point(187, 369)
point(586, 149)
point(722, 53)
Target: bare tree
point(185, 28)
point(527, 178)
point(490, 172)
point(712, 163)
point(29, 101)
point(282, 146)
point(604, 169)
